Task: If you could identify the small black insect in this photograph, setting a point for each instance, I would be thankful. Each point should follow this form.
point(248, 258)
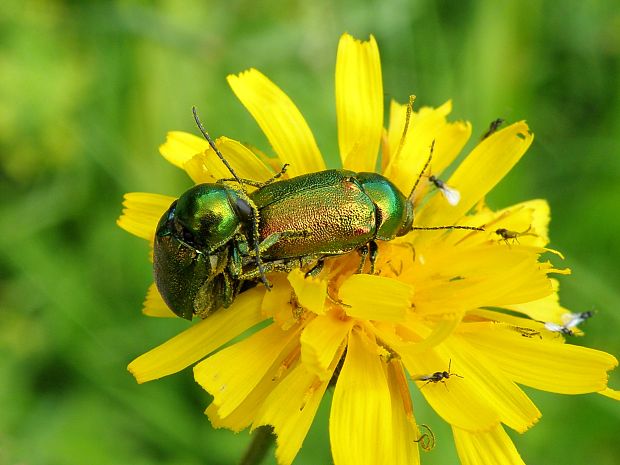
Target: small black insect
point(526, 332)
point(438, 376)
point(493, 127)
point(571, 320)
point(507, 234)
point(452, 196)
point(574, 319)
point(556, 328)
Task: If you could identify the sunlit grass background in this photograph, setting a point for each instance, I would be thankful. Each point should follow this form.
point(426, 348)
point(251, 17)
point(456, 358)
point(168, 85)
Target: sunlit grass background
point(87, 93)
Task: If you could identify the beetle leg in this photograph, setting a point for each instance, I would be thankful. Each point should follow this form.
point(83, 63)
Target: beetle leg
point(272, 239)
point(256, 238)
point(235, 265)
point(282, 266)
point(228, 291)
point(258, 184)
point(363, 250)
point(316, 269)
point(277, 175)
point(373, 248)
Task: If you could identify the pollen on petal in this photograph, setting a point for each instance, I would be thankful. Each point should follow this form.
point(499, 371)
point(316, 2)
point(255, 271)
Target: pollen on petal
point(141, 213)
point(200, 339)
point(372, 297)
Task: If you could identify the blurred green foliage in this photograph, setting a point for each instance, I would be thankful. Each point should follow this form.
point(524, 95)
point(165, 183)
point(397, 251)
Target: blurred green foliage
point(87, 93)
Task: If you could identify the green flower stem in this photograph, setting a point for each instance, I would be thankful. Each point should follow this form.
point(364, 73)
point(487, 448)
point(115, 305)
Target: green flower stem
point(262, 440)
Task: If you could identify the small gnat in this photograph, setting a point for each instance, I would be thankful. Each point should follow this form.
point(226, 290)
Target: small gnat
point(570, 321)
point(452, 196)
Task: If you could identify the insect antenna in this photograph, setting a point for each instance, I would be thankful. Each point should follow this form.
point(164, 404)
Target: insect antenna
point(215, 149)
point(417, 181)
point(255, 234)
point(406, 128)
point(410, 197)
point(428, 228)
point(450, 372)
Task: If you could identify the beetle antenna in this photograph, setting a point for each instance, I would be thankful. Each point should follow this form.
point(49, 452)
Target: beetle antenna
point(215, 149)
point(428, 228)
point(428, 162)
point(259, 263)
point(406, 128)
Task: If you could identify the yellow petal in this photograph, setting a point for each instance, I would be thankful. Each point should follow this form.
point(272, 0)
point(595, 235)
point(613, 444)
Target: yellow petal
point(545, 309)
point(405, 434)
point(285, 127)
point(459, 404)
point(232, 373)
point(154, 305)
point(290, 409)
point(515, 408)
point(359, 102)
point(181, 146)
point(483, 168)
point(488, 447)
point(528, 221)
point(463, 278)
point(473, 377)
point(361, 423)
point(142, 212)
point(200, 339)
point(441, 330)
point(244, 414)
point(611, 393)
point(411, 153)
point(320, 340)
point(311, 292)
point(373, 297)
point(544, 364)
point(280, 304)
point(206, 166)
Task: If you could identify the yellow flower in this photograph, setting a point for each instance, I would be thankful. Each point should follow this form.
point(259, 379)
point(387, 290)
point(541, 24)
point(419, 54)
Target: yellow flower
point(460, 314)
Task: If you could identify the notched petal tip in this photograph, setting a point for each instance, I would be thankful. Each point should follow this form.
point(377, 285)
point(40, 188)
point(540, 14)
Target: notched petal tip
point(279, 118)
point(142, 212)
point(181, 146)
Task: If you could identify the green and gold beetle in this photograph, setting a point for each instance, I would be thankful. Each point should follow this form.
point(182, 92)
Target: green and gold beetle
point(217, 236)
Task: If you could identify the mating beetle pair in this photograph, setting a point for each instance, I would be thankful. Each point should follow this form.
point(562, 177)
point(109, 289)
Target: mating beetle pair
point(217, 236)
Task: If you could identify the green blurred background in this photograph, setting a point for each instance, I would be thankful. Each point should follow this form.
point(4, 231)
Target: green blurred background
point(87, 93)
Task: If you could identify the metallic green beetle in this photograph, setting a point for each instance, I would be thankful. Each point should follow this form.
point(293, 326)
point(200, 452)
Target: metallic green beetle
point(197, 249)
point(340, 211)
point(216, 236)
